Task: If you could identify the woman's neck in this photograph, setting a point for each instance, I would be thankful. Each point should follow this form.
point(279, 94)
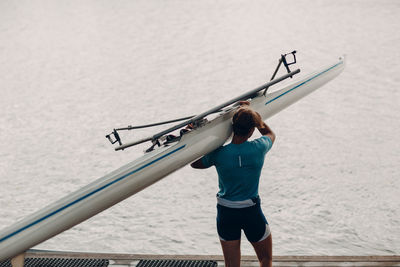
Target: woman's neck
point(236, 139)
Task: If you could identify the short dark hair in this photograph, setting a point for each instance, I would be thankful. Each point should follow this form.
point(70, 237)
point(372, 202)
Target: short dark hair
point(243, 122)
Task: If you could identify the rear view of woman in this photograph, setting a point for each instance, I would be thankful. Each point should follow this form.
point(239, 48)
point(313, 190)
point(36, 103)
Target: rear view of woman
point(239, 165)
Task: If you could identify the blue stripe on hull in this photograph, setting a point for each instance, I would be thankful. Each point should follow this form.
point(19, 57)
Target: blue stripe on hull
point(303, 83)
point(90, 194)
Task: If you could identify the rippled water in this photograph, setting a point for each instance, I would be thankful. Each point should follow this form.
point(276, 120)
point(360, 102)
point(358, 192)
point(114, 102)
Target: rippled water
point(70, 71)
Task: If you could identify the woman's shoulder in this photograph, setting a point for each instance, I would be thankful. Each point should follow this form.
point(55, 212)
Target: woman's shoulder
point(263, 142)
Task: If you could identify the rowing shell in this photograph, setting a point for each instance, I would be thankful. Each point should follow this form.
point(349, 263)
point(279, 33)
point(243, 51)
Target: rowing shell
point(150, 168)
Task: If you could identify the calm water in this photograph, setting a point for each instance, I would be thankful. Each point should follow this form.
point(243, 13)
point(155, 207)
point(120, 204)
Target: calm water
point(70, 71)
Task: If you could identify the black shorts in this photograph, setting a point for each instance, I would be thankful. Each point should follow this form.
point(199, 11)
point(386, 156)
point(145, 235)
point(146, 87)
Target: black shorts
point(251, 220)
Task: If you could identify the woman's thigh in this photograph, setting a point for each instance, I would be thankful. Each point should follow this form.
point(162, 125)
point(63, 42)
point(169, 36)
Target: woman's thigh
point(263, 249)
point(231, 250)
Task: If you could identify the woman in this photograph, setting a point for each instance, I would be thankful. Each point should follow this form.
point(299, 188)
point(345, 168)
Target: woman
point(239, 167)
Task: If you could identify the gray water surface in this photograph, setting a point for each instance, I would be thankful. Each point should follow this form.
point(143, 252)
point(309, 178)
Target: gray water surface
point(70, 71)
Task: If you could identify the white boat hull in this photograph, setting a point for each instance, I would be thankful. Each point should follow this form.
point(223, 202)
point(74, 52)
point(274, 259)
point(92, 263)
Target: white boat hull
point(153, 166)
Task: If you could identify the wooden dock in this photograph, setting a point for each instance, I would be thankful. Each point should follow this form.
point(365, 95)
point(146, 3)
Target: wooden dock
point(124, 260)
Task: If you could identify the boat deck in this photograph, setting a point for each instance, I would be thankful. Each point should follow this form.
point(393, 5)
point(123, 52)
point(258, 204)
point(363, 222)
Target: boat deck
point(133, 260)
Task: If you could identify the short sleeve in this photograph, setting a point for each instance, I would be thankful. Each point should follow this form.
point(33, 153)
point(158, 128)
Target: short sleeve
point(209, 159)
point(264, 143)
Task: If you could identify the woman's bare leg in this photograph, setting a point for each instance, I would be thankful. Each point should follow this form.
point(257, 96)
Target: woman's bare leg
point(231, 250)
point(264, 251)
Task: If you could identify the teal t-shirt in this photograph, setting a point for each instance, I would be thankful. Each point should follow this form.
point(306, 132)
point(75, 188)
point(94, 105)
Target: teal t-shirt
point(239, 167)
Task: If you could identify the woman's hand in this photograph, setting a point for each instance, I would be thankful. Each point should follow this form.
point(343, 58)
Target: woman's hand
point(190, 126)
point(244, 103)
